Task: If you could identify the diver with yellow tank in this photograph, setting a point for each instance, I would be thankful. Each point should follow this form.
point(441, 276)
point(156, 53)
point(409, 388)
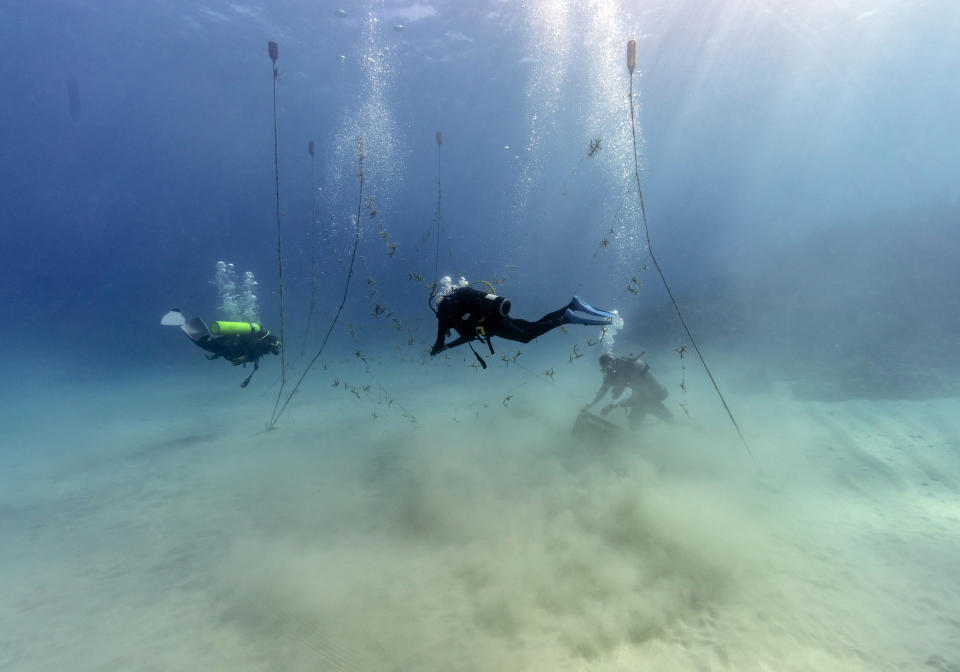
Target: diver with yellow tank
point(236, 342)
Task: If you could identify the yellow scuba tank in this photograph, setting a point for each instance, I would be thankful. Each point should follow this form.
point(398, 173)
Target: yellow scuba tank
point(223, 328)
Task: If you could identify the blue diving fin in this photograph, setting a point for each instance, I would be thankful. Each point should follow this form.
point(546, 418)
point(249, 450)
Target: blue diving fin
point(579, 304)
point(573, 318)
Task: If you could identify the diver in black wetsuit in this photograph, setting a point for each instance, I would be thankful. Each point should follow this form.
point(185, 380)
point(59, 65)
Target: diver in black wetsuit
point(237, 342)
point(477, 315)
point(646, 394)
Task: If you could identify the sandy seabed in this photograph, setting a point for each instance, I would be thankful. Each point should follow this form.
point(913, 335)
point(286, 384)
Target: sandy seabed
point(435, 524)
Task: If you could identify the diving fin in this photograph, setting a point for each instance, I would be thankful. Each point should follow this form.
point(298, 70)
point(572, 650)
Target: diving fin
point(573, 318)
point(173, 318)
point(579, 304)
point(195, 329)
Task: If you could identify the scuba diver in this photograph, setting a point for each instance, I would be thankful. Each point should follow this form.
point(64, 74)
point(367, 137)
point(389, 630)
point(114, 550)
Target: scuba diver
point(646, 394)
point(236, 342)
point(477, 315)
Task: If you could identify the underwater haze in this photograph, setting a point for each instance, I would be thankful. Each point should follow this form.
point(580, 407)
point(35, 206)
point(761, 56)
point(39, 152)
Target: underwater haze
point(769, 200)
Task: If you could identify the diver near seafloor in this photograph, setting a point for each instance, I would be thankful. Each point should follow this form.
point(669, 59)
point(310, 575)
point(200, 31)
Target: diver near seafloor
point(477, 315)
point(646, 394)
point(236, 342)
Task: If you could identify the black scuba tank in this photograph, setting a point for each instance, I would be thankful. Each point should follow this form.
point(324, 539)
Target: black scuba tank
point(499, 303)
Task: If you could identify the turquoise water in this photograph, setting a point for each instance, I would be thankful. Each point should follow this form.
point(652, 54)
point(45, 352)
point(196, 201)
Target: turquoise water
point(408, 512)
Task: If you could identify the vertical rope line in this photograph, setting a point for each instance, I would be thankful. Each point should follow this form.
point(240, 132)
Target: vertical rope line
point(314, 238)
point(361, 154)
point(436, 263)
point(276, 180)
point(673, 300)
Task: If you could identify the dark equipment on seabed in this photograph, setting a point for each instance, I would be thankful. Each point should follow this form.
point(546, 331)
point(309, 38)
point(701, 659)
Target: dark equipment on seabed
point(591, 427)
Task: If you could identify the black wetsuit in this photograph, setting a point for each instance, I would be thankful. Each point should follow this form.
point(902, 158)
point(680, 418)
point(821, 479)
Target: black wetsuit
point(476, 315)
point(646, 394)
point(239, 349)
